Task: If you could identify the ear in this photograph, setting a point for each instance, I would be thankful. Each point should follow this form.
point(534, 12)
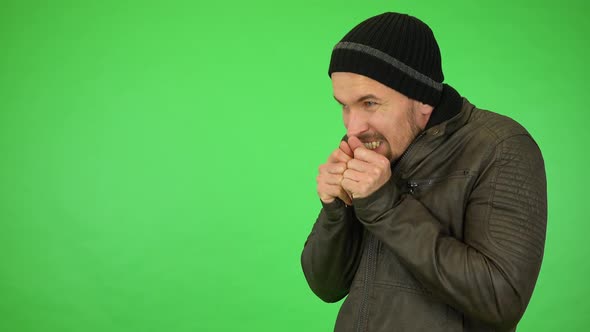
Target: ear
point(422, 113)
point(423, 109)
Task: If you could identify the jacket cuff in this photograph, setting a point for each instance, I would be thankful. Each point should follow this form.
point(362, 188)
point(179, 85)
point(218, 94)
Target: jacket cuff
point(371, 207)
point(334, 211)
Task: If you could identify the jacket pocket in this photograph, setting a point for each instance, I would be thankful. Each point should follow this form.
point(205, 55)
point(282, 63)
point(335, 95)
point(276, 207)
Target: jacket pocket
point(419, 186)
point(445, 197)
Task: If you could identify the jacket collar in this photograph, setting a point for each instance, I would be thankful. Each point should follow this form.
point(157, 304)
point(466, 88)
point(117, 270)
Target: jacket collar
point(449, 106)
point(450, 115)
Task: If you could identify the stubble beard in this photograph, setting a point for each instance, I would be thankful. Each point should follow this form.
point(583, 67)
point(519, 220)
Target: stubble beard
point(412, 131)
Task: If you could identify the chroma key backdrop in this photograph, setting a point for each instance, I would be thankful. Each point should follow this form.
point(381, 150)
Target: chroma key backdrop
point(158, 158)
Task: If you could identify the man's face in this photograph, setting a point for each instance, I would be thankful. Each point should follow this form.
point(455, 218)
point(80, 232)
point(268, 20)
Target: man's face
point(383, 119)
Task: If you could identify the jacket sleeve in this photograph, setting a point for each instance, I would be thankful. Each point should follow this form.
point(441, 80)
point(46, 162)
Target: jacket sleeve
point(490, 274)
point(332, 251)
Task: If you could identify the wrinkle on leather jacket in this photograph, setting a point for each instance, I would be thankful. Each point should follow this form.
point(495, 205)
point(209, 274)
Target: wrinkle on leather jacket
point(453, 242)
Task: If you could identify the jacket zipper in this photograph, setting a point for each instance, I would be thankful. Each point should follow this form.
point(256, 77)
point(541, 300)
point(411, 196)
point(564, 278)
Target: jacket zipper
point(371, 266)
point(412, 185)
point(405, 154)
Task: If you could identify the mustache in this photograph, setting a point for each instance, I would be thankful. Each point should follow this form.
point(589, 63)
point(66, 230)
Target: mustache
point(366, 137)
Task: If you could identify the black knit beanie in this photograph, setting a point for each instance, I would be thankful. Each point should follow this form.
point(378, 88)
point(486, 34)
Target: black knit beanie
point(397, 50)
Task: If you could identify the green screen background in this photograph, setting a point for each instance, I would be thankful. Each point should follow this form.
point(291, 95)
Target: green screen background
point(158, 159)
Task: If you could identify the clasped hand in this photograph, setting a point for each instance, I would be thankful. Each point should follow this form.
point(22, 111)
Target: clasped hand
point(352, 171)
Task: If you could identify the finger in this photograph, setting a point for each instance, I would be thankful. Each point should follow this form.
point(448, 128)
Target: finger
point(339, 156)
point(345, 197)
point(346, 149)
point(328, 192)
point(330, 179)
point(353, 175)
point(350, 186)
point(332, 168)
point(326, 199)
point(355, 143)
point(370, 157)
point(337, 168)
point(358, 165)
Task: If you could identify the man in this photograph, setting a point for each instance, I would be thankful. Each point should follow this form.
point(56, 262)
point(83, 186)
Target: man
point(433, 211)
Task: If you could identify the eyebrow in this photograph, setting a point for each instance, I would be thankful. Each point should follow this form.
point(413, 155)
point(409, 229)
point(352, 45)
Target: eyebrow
point(361, 99)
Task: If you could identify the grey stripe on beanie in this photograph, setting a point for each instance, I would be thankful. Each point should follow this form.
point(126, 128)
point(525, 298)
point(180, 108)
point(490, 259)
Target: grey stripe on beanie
point(392, 61)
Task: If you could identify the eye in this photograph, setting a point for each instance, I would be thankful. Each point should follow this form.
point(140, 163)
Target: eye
point(368, 103)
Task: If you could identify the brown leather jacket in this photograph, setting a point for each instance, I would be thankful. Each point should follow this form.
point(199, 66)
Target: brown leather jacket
point(453, 242)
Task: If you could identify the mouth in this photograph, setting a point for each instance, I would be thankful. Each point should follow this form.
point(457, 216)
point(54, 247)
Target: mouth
point(372, 145)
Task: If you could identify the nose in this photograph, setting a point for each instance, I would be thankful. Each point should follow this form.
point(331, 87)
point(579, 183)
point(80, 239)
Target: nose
point(356, 123)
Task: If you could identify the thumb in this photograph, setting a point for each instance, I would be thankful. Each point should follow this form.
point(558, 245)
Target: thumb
point(355, 143)
point(346, 149)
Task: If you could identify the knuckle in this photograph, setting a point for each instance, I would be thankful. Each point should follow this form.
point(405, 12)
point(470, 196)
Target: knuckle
point(335, 154)
point(377, 172)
